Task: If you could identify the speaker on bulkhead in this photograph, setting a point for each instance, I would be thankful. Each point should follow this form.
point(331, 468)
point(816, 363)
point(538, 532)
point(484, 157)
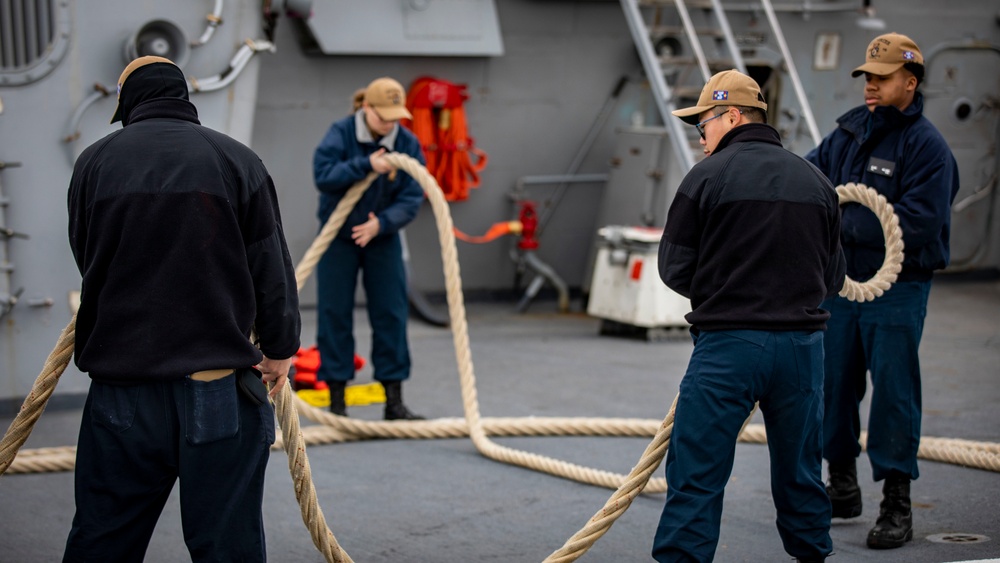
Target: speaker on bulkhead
point(161, 38)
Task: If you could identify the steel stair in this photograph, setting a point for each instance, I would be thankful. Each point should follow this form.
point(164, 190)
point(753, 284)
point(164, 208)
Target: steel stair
point(663, 30)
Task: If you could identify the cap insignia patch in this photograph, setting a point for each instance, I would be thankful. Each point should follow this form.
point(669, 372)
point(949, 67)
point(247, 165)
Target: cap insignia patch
point(720, 95)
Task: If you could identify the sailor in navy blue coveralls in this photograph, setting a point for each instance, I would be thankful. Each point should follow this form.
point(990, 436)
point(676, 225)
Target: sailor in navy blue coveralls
point(883, 335)
point(886, 144)
point(343, 158)
point(752, 238)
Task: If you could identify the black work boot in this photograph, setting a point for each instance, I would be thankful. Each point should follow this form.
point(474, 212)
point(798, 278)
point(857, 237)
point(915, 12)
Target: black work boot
point(337, 404)
point(843, 490)
point(394, 407)
point(894, 526)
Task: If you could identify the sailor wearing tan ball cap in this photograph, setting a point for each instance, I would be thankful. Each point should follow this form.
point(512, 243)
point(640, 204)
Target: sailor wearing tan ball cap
point(388, 99)
point(729, 93)
point(752, 239)
point(893, 69)
point(886, 144)
point(889, 53)
point(369, 243)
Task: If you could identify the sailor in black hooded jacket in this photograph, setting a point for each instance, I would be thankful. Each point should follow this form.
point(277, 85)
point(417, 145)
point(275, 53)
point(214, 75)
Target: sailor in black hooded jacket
point(177, 234)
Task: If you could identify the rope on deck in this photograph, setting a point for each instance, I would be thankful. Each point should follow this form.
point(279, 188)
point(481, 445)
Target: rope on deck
point(332, 429)
point(34, 403)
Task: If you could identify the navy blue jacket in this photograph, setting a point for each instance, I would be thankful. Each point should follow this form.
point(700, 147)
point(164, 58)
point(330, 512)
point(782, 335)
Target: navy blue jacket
point(340, 161)
point(176, 230)
point(752, 237)
point(904, 157)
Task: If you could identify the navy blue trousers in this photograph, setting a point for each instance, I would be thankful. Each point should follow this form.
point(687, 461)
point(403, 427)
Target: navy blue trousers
point(881, 337)
point(136, 441)
point(728, 372)
point(384, 278)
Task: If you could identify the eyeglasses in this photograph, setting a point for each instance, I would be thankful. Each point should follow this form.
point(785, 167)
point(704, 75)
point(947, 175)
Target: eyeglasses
point(701, 126)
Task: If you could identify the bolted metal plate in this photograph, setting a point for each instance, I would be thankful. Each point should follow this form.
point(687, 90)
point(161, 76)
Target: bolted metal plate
point(958, 537)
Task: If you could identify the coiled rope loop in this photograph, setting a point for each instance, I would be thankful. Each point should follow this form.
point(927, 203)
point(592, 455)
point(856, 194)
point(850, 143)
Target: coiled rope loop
point(892, 264)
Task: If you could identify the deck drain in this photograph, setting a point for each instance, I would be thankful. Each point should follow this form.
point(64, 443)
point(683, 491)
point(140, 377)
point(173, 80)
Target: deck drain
point(958, 537)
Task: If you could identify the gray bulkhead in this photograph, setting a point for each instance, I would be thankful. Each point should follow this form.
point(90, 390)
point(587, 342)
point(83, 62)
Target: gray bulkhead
point(540, 102)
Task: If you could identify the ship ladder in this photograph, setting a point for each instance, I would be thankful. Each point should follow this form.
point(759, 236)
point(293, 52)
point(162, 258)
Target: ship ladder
point(669, 72)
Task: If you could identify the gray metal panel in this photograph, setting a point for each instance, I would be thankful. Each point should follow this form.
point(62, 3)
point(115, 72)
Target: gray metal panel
point(960, 99)
point(644, 176)
point(529, 110)
point(409, 27)
point(635, 195)
point(34, 124)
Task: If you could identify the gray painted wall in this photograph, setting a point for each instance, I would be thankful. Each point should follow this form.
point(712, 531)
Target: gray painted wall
point(35, 120)
point(531, 109)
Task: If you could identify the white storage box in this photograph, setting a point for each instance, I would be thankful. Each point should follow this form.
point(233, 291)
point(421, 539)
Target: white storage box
point(626, 287)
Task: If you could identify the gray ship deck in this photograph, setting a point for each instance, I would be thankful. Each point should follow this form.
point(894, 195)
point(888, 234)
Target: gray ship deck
point(440, 501)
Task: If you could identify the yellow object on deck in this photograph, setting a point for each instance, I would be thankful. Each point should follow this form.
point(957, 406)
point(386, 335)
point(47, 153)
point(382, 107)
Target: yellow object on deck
point(354, 395)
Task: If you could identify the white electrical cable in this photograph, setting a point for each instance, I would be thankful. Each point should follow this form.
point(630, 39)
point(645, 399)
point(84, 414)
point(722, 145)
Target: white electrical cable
point(214, 21)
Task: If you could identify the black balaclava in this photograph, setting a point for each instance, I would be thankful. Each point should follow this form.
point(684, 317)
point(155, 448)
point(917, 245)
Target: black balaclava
point(148, 78)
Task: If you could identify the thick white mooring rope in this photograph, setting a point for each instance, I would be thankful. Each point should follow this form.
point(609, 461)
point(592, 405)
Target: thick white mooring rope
point(893, 261)
point(982, 455)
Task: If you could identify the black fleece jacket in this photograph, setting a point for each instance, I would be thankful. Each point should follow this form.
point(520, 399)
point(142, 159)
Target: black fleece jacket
point(176, 231)
point(753, 237)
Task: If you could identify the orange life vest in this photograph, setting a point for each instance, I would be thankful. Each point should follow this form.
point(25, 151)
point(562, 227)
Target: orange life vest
point(439, 123)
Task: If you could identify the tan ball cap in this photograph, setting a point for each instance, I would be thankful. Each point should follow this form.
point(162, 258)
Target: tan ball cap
point(888, 53)
point(727, 88)
point(388, 99)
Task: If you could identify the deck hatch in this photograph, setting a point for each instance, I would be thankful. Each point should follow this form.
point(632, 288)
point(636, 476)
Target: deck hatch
point(958, 537)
